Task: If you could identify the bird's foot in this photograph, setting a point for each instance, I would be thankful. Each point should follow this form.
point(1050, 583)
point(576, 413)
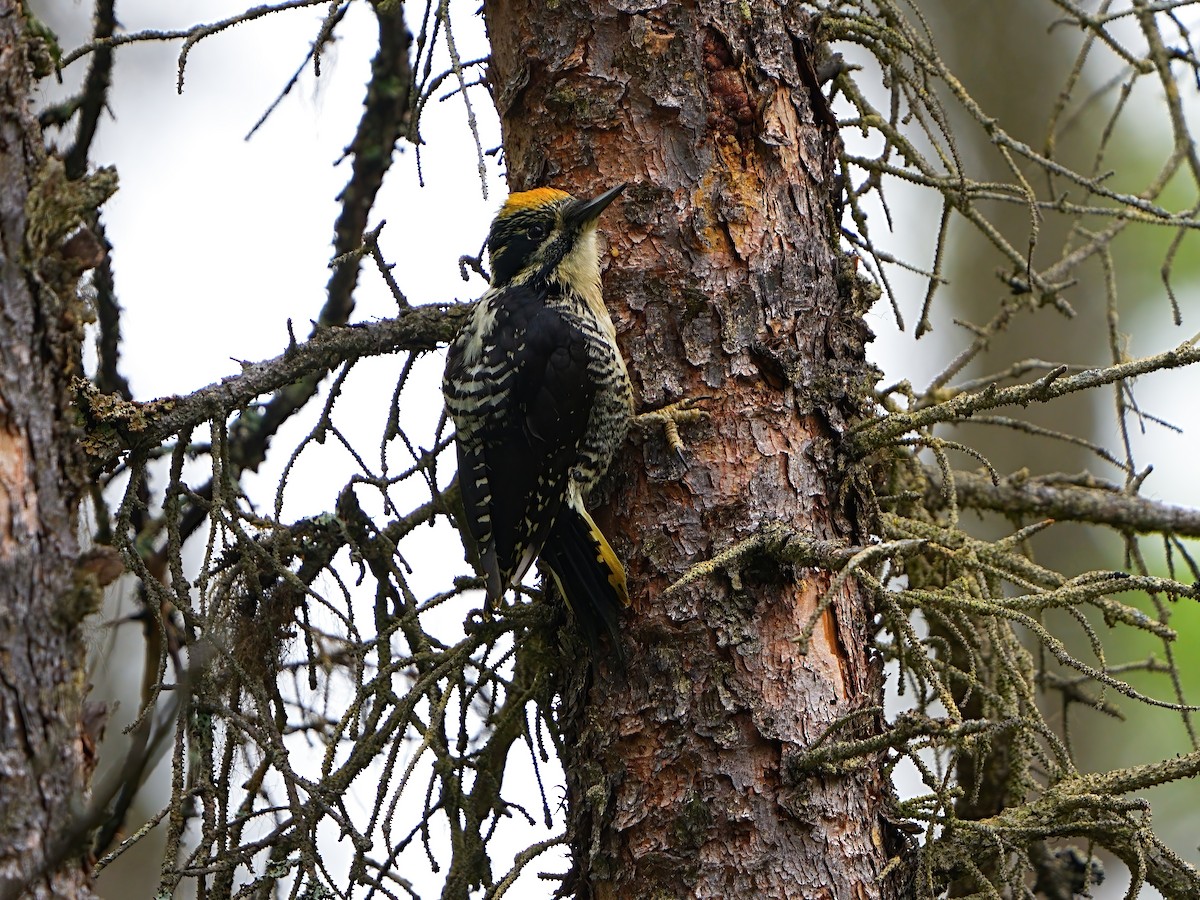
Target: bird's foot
point(671, 416)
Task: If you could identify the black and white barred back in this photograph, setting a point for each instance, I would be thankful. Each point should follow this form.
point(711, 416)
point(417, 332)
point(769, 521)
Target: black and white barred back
point(541, 402)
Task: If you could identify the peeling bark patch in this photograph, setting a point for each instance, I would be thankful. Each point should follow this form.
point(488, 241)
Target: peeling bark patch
point(585, 99)
point(775, 668)
point(651, 37)
point(768, 440)
point(18, 502)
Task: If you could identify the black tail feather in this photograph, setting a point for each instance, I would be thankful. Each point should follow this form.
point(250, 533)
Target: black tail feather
point(589, 576)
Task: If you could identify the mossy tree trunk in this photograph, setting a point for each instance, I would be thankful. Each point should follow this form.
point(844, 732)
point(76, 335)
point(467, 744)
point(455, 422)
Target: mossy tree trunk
point(46, 756)
point(723, 277)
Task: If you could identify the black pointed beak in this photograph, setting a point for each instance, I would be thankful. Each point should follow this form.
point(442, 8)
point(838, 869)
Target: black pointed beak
point(585, 211)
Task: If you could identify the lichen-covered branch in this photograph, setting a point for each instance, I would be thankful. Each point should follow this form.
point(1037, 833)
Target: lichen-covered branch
point(117, 426)
point(1067, 498)
point(1057, 383)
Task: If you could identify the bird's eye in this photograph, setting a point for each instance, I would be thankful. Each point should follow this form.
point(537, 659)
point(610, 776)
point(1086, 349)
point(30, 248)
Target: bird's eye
point(539, 232)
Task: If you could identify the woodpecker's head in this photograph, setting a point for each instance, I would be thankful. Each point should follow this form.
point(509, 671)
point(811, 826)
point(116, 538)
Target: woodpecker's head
point(546, 231)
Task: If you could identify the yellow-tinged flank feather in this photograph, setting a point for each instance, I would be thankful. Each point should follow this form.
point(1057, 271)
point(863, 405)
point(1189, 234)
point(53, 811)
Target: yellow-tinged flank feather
point(607, 557)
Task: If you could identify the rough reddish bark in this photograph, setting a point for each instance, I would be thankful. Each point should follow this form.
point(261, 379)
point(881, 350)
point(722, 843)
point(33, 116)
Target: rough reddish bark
point(723, 281)
point(44, 756)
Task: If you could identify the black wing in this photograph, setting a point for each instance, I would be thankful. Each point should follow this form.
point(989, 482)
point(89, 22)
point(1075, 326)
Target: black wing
point(520, 408)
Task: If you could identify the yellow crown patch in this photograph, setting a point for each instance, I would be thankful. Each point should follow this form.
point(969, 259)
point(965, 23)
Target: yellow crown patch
point(532, 199)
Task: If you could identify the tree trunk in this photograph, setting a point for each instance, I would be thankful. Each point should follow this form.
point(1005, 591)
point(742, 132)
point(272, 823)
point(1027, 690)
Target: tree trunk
point(45, 756)
point(723, 279)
